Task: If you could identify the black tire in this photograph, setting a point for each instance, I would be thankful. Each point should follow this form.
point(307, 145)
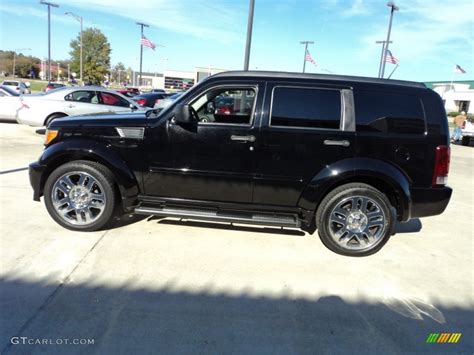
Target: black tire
point(105, 186)
point(465, 140)
point(53, 117)
point(336, 198)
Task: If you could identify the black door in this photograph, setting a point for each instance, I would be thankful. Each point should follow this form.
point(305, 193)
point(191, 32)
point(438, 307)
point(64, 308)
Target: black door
point(306, 130)
point(213, 157)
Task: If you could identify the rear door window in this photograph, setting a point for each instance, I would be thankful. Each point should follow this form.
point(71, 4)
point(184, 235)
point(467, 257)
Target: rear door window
point(388, 112)
point(86, 96)
point(113, 100)
point(306, 108)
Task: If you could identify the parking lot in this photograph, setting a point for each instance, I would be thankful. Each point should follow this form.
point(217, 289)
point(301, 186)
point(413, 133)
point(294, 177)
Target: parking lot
point(170, 286)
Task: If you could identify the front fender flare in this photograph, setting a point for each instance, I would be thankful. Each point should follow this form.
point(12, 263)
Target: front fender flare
point(86, 149)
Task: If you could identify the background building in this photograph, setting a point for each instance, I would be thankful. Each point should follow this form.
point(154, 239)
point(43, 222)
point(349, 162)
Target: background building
point(457, 96)
point(171, 80)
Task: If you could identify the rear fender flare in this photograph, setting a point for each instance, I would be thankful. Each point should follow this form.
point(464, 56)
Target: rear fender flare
point(353, 170)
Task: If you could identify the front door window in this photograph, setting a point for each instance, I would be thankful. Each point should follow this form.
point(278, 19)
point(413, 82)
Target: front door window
point(225, 106)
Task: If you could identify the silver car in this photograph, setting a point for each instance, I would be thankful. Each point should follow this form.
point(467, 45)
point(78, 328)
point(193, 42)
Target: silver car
point(9, 103)
point(19, 86)
point(40, 109)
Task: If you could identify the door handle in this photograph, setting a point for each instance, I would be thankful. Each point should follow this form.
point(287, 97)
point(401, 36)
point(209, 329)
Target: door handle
point(71, 106)
point(342, 143)
point(250, 139)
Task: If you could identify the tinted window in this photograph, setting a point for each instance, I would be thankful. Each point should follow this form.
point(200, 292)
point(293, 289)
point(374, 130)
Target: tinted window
point(89, 97)
point(313, 108)
point(388, 112)
point(113, 100)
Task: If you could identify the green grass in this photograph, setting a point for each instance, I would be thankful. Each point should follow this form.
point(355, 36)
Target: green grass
point(37, 85)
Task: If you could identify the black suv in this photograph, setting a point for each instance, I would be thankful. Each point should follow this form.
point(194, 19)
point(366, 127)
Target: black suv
point(349, 156)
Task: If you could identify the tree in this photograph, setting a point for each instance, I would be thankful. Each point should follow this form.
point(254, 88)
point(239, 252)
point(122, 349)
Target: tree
point(119, 72)
point(96, 56)
point(24, 65)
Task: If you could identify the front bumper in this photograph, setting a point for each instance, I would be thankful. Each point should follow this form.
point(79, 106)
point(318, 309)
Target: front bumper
point(429, 202)
point(36, 171)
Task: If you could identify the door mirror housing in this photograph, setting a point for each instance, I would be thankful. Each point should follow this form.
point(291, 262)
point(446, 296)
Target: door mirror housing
point(133, 107)
point(182, 114)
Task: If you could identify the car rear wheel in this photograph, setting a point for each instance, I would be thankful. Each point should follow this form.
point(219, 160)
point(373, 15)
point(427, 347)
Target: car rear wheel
point(80, 195)
point(53, 117)
point(355, 220)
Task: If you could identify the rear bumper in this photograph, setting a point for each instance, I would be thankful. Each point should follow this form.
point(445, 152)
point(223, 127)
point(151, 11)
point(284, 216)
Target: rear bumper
point(429, 202)
point(36, 171)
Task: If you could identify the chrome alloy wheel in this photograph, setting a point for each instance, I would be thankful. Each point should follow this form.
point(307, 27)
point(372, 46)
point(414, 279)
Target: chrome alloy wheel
point(78, 198)
point(357, 223)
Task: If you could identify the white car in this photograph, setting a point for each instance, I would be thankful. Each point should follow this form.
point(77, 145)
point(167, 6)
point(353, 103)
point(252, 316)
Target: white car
point(10, 103)
point(19, 86)
point(41, 109)
point(467, 133)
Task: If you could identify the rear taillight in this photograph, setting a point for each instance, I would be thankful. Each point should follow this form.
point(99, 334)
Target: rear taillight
point(141, 102)
point(441, 168)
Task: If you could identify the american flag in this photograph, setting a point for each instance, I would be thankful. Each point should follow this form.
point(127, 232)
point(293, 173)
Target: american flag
point(308, 58)
point(147, 43)
point(459, 70)
point(390, 58)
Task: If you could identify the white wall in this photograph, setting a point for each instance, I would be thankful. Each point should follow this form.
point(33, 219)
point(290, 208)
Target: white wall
point(453, 94)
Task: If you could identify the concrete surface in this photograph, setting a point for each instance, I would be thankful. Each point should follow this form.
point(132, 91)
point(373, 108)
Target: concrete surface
point(164, 286)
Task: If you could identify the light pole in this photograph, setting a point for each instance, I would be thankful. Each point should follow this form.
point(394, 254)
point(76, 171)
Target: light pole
point(305, 52)
point(49, 4)
point(381, 55)
point(141, 49)
point(14, 58)
point(393, 8)
point(80, 19)
point(249, 35)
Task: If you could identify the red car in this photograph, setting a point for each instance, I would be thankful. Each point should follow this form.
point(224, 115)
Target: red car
point(129, 92)
point(52, 86)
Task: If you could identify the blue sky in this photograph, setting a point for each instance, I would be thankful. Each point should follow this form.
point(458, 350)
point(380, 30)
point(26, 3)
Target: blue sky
point(429, 37)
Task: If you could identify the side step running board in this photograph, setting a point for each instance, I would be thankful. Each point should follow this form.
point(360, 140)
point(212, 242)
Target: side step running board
point(230, 217)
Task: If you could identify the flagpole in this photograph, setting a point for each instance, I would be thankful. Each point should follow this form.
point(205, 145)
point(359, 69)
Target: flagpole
point(305, 51)
point(393, 71)
point(393, 8)
point(141, 49)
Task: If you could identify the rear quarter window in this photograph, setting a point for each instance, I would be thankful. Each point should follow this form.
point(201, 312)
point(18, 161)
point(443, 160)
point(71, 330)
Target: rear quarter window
point(388, 112)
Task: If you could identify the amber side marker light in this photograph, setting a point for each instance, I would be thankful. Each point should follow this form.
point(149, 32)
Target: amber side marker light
point(49, 136)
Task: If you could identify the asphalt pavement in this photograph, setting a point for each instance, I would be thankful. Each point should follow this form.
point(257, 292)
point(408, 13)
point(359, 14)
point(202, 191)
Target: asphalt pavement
point(164, 286)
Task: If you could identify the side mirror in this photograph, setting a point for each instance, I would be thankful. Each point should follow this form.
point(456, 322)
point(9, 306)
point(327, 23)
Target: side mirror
point(210, 107)
point(182, 114)
point(133, 107)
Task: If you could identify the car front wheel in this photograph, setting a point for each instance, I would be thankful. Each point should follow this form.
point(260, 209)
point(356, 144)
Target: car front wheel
point(80, 195)
point(355, 220)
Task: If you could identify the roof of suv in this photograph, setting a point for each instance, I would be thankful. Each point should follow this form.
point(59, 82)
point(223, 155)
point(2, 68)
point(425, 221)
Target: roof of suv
point(328, 77)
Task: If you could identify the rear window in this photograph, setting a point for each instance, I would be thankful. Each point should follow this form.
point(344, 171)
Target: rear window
point(388, 112)
point(10, 83)
point(306, 108)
